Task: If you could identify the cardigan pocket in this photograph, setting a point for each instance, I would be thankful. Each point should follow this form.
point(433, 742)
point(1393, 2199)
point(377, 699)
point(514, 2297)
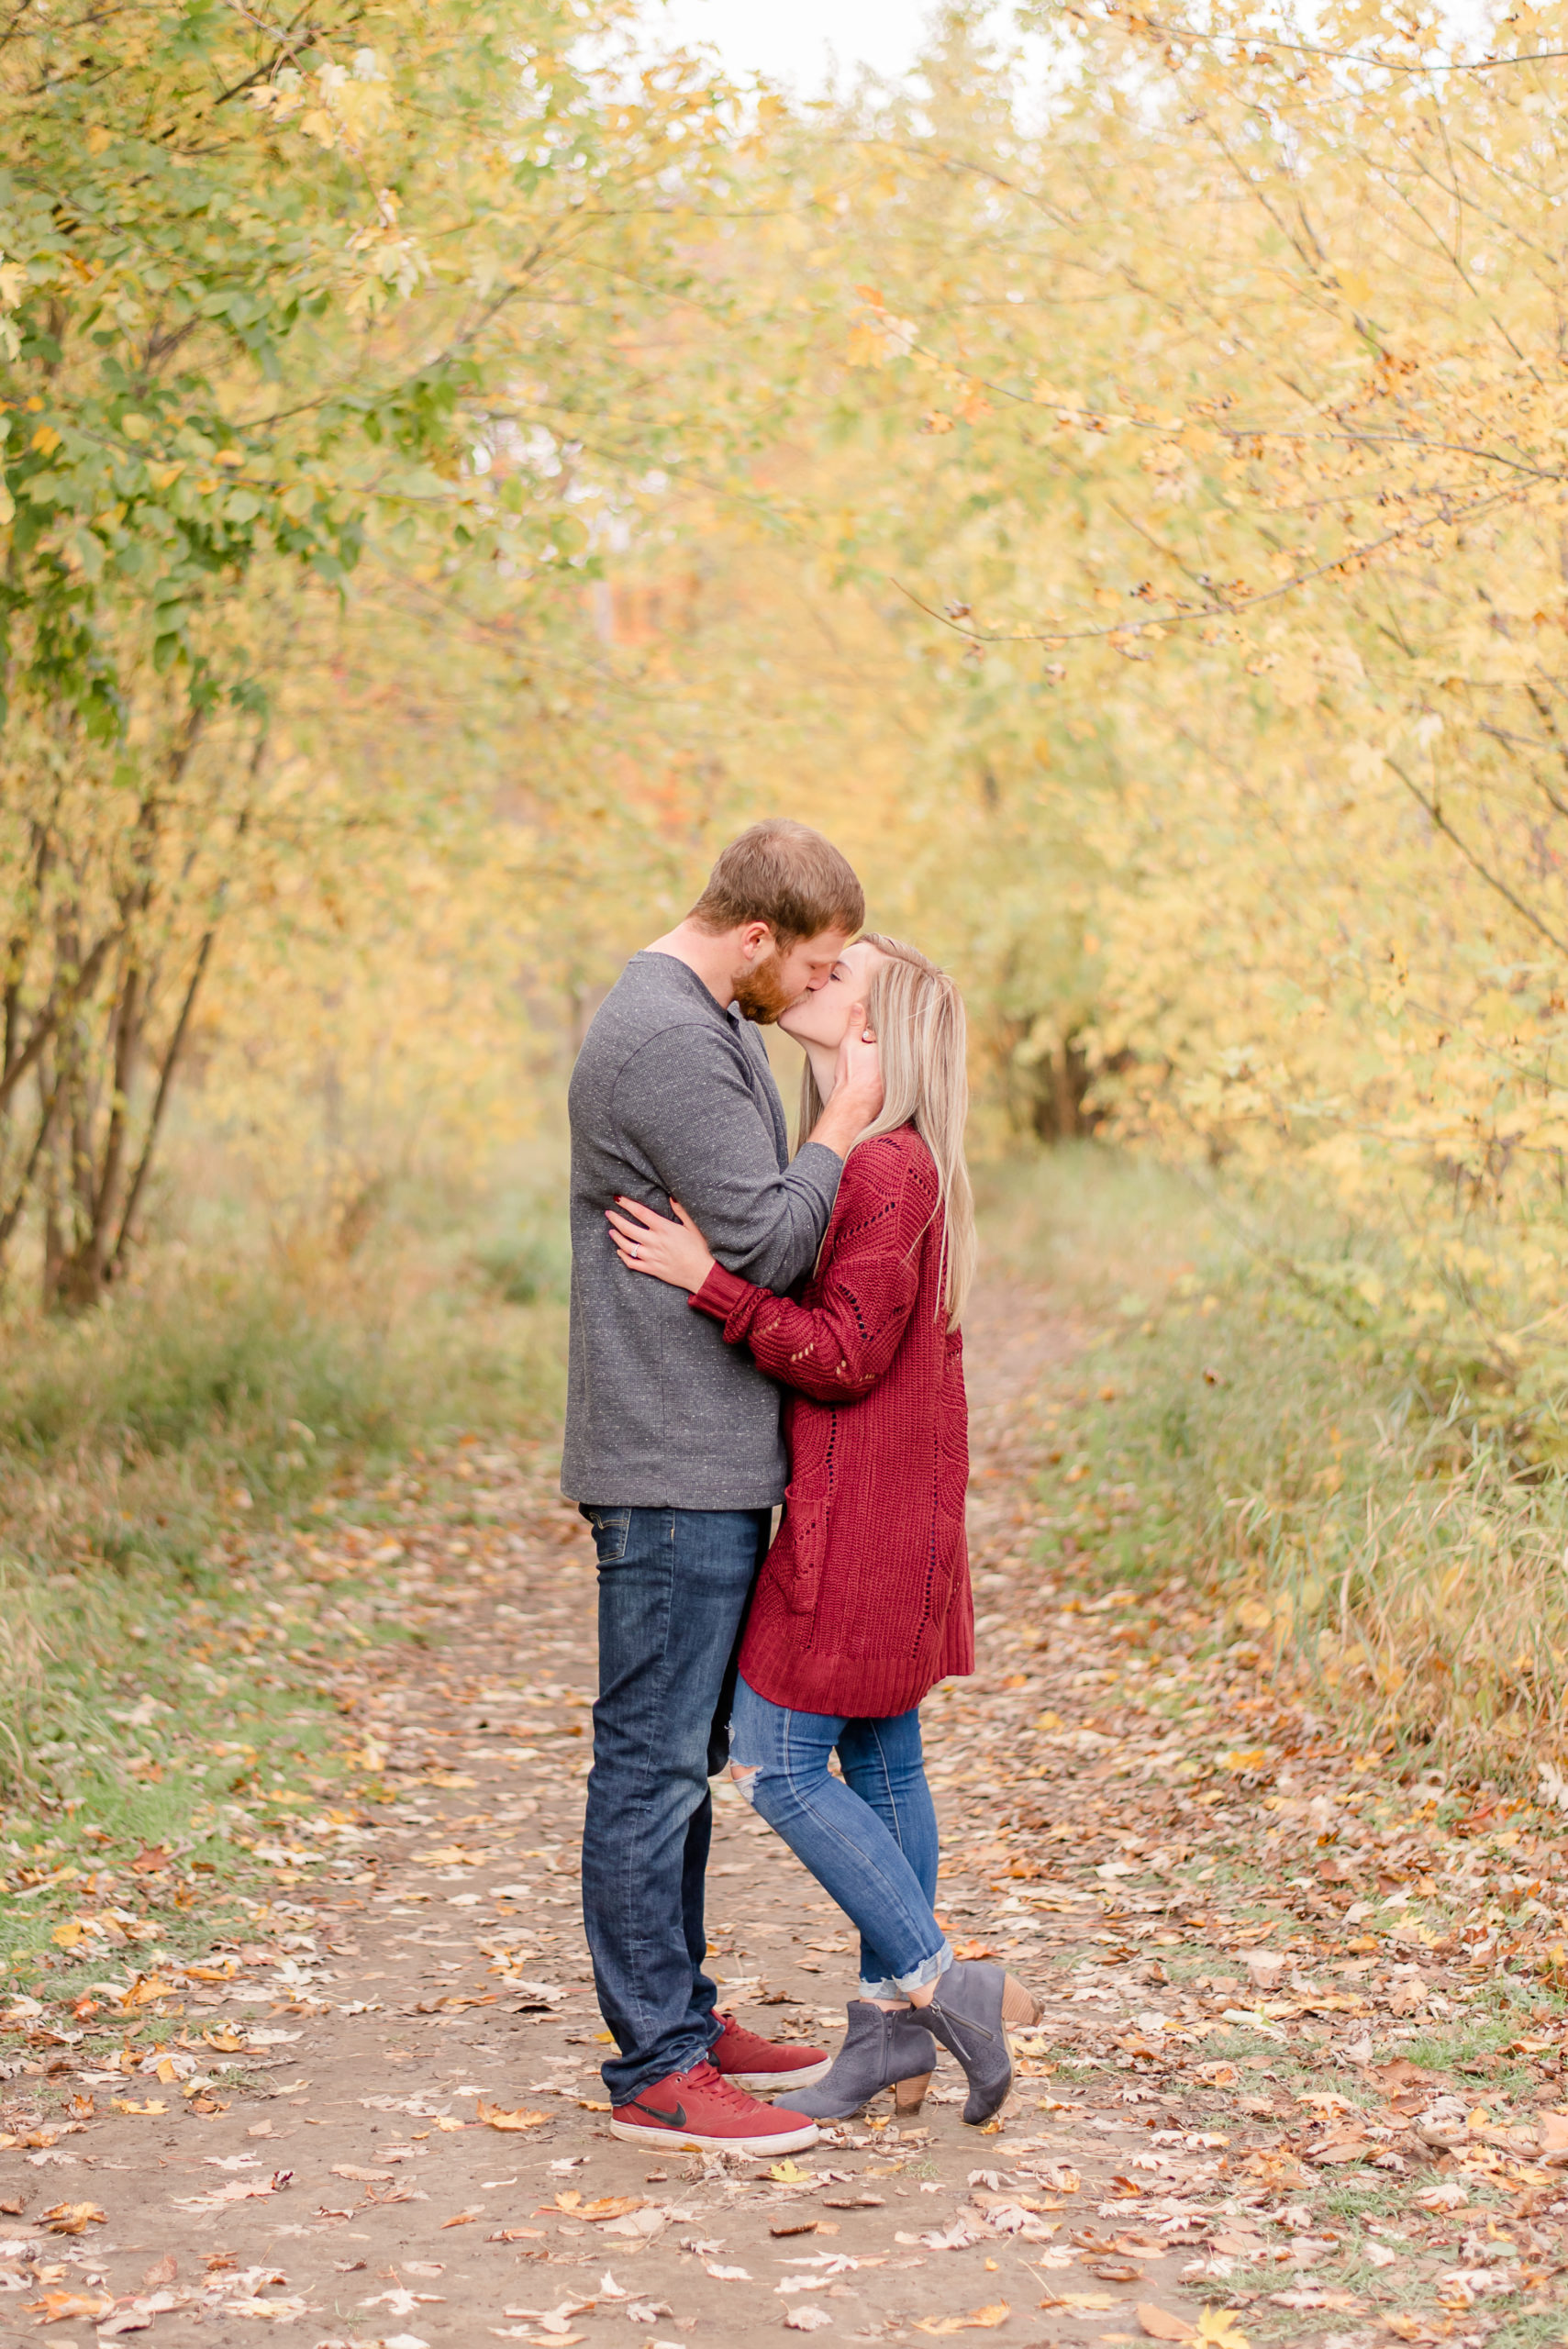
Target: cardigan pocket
point(805, 1523)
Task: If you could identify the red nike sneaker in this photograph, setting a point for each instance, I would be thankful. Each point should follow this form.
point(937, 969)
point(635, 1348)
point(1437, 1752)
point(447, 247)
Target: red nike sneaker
point(763, 2065)
point(700, 2112)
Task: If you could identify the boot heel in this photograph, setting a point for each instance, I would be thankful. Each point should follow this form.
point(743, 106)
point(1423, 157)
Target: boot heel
point(909, 2095)
point(1020, 2008)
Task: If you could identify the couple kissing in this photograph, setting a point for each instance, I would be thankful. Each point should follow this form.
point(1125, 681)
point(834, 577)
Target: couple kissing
point(749, 1327)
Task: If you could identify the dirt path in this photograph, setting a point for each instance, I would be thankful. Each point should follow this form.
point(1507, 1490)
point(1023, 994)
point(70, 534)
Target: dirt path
point(1298, 2062)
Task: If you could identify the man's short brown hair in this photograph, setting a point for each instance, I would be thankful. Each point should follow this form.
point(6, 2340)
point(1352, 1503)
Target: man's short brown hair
point(787, 875)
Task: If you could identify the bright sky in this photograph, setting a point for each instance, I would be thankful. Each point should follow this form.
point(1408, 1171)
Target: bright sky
point(801, 41)
point(797, 40)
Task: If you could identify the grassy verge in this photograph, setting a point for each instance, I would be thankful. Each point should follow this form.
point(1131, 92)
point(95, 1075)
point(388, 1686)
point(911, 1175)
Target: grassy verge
point(199, 1495)
point(1227, 1423)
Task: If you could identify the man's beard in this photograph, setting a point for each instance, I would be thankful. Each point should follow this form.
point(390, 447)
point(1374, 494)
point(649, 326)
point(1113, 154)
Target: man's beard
point(760, 996)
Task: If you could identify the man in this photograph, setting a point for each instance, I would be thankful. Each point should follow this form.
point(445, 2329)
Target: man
point(673, 1444)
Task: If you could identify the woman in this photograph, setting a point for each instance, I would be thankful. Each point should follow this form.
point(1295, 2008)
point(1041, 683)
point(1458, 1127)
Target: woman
point(864, 1601)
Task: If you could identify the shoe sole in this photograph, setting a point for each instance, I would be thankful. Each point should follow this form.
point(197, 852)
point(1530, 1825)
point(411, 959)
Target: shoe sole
point(692, 2141)
point(775, 2083)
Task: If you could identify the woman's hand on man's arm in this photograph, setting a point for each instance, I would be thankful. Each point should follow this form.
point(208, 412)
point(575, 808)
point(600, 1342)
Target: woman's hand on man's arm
point(646, 1242)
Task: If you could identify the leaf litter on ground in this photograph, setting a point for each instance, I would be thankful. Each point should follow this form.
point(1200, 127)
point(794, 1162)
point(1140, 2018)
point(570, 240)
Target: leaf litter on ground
point(1301, 2035)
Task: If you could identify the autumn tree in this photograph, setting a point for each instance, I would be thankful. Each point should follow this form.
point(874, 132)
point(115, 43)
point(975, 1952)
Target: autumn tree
point(271, 294)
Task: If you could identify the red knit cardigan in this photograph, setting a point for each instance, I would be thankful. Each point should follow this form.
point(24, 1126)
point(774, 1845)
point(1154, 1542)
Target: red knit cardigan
point(863, 1601)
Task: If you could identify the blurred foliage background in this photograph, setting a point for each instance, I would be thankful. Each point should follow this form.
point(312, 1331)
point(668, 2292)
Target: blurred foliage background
point(463, 462)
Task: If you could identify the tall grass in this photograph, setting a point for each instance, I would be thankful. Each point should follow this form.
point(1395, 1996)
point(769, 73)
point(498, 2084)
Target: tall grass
point(1233, 1423)
point(146, 1449)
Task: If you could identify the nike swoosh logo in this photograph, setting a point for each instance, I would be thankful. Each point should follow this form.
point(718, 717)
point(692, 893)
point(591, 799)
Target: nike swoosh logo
point(676, 2119)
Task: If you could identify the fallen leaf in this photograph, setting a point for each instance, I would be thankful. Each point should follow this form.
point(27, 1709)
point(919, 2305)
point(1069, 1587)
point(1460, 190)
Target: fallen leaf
point(807, 2319)
point(789, 2173)
point(55, 2307)
point(238, 2189)
point(463, 2218)
point(493, 2117)
point(364, 2177)
point(643, 2224)
point(1162, 2324)
point(163, 2271)
point(1219, 2328)
point(72, 2218)
point(978, 2321)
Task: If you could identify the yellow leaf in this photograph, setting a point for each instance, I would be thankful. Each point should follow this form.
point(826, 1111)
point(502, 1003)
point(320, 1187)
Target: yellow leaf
point(978, 2321)
point(143, 1993)
point(1219, 2328)
point(46, 440)
point(73, 2218)
point(66, 1936)
point(124, 2104)
point(56, 2306)
point(98, 138)
point(788, 2173)
point(492, 2116)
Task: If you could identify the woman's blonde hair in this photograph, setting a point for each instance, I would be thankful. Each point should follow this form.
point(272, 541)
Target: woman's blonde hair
point(915, 1012)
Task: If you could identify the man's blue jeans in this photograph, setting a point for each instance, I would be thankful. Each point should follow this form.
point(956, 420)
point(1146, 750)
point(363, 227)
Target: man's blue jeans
point(673, 1585)
point(871, 1841)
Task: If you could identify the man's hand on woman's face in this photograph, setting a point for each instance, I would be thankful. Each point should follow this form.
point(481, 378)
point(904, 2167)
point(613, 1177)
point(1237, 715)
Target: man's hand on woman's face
point(646, 1242)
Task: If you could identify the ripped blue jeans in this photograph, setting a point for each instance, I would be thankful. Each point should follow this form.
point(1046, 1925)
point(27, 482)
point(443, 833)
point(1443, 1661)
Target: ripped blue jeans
point(869, 1840)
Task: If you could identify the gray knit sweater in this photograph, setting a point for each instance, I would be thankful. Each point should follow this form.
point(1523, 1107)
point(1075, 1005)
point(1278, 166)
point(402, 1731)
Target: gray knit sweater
point(672, 1097)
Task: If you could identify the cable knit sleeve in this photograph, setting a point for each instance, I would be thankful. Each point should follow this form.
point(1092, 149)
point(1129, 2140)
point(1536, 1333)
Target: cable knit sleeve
point(838, 1347)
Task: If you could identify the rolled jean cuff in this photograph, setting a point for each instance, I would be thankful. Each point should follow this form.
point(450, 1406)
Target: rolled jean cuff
point(930, 1969)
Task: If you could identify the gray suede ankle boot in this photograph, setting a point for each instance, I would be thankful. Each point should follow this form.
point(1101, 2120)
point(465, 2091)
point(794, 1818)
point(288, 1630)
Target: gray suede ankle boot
point(973, 2005)
point(882, 2049)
